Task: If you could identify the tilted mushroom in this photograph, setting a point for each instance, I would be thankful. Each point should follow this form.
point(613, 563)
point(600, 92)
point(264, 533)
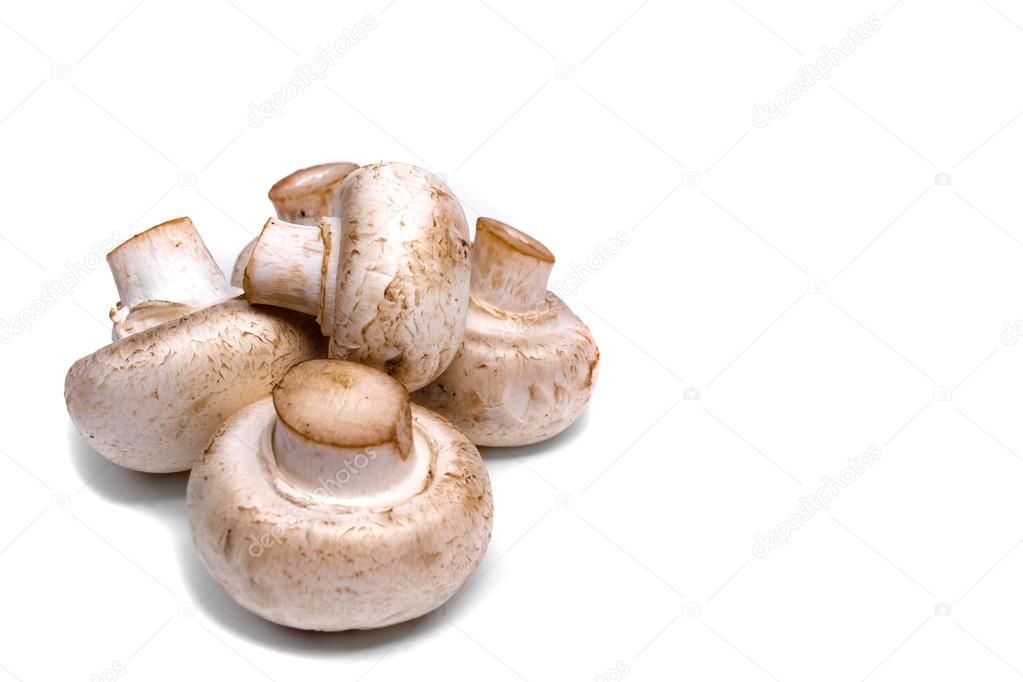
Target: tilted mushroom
point(162, 274)
point(336, 505)
point(527, 364)
point(303, 197)
point(388, 278)
point(151, 400)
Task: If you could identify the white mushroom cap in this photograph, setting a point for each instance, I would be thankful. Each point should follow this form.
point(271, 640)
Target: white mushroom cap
point(361, 511)
point(302, 198)
point(151, 401)
point(527, 364)
point(161, 274)
point(388, 279)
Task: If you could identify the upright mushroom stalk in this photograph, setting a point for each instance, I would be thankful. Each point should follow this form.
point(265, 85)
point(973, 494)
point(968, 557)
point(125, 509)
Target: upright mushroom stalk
point(302, 197)
point(388, 278)
point(527, 364)
point(335, 504)
point(162, 274)
point(151, 400)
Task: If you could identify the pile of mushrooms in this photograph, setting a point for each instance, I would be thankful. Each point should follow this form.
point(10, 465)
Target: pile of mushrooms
point(329, 399)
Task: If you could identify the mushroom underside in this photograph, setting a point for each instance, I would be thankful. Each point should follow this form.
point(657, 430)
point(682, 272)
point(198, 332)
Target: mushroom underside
point(301, 562)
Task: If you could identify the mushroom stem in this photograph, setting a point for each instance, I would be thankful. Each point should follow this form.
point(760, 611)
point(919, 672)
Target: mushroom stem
point(168, 262)
point(344, 435)
point(309, 194)
point(240, 263)
point(509, 268)
point(284, 268)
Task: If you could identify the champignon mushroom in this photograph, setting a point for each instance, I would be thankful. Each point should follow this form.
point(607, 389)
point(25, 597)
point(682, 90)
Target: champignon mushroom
point(303, 198)
point(151, 400)
point(527, 364)
point(162, 274)
point(336, 505)
point(388, 279)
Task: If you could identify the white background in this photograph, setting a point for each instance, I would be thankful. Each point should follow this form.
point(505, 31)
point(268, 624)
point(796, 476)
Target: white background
point(845, 277)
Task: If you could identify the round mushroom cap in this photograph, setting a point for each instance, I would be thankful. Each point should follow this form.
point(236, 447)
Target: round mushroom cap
point(295, 556)
point(151, 401)
point(519, 378)
point(403, 282)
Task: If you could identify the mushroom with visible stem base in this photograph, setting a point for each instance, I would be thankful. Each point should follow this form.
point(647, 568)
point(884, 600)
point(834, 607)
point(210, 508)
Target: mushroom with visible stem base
point(151, 400)
point(527, 364)
point(336, 505)
point(303, 197)
point(387, 278)
point(162, 274)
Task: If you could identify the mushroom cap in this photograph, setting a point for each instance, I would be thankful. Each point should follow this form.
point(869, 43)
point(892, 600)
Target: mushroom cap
point(518, 378)
point(308, 194)
point(403, 281)
point(151, 401)
point(302, 560)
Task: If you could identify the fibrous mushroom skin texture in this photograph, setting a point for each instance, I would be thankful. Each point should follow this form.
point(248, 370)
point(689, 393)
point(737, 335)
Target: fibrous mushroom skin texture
point(151, 401)
point(527, 365)
point(303, 197)
point(518, 378)
point(388, 278)
point(302, 552)
point(403, 283)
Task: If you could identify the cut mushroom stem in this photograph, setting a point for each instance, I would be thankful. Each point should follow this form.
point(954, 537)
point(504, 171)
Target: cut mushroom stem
point(168, 262)
point(311, 193)
point(527, 364)
point(162, 274)
point(344, 434)
point(303, 198)
point(509, 268)
point(284, 268)
point(397, 527)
